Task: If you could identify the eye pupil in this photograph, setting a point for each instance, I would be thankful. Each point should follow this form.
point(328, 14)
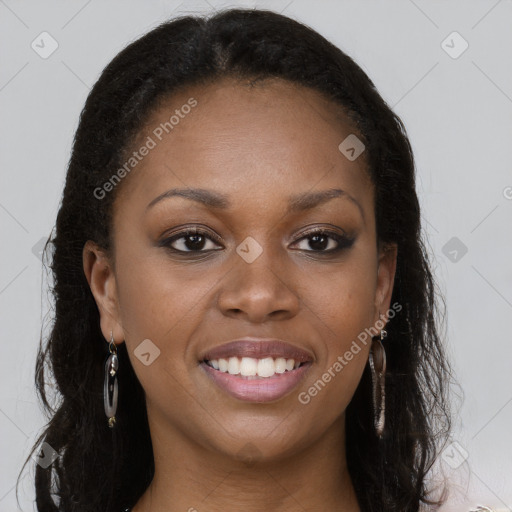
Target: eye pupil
point(315, 244)
point(197, 242)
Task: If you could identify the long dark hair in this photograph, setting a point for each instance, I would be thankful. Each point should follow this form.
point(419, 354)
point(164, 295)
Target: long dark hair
point(102, 469)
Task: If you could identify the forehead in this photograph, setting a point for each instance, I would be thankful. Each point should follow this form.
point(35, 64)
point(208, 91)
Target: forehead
point(264, 138)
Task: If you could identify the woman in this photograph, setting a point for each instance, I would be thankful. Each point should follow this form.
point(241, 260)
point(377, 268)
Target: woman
point(245, 315)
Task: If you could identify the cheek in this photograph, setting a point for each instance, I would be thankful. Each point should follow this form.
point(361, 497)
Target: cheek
point(341, 302)
point(158, 303)
point(342, 299)
point(346, 313)
point(157, 300)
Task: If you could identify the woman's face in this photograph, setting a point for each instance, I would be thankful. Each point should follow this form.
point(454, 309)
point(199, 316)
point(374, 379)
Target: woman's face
point(263, 158)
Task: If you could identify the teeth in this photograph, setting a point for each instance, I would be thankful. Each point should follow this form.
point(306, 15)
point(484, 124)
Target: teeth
point(266, 367)
point(234, 366)
point(251, 367)
point(280, 365)
point(223, 365)
point(248, 366)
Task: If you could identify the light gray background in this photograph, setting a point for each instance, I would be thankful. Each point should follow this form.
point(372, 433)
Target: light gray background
point(458, 113)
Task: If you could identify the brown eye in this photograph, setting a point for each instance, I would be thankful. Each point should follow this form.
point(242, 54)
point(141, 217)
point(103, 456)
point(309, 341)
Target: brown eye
point(324, 241)
point(190, 240)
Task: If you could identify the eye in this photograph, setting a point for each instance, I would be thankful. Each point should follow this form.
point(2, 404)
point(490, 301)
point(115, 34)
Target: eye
point(196, 240)
point(324, 241)
point(190, 240)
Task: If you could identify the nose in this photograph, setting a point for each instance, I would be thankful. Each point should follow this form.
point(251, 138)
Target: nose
point(259, 291)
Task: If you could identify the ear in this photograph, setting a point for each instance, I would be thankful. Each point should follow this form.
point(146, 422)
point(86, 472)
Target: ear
point(101, 278)
point(385, 278)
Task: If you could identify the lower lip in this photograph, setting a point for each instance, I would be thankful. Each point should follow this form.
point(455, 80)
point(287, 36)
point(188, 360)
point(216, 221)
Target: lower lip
point(266, 389)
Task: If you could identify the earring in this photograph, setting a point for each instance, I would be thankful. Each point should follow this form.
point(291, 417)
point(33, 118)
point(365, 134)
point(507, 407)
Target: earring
point(377, 360)
point(110, 383)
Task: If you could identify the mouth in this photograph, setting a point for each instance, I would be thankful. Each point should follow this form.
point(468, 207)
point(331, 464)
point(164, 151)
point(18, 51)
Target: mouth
point(251, 368)
point(256, 370)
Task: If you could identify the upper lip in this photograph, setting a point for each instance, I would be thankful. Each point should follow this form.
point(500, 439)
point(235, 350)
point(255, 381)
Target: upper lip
point(257, 348)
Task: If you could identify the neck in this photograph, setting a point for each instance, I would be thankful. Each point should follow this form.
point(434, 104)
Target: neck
point(190, 478)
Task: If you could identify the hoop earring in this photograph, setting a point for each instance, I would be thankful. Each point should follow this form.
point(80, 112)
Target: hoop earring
point(110, 384)
point(377, 360)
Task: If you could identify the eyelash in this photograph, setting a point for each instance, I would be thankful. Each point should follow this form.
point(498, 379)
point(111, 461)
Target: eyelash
point(343, 242)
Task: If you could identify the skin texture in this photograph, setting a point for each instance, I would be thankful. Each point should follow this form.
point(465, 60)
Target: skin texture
point(257, 144)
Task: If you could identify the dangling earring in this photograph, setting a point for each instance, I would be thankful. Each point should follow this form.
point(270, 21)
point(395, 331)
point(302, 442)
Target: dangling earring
point(110, 384)
point(377, 361)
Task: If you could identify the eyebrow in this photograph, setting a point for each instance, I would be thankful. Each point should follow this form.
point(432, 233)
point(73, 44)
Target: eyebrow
point(297, 203)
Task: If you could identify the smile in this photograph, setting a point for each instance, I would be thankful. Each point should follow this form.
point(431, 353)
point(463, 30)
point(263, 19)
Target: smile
point(250, 367)
point(267, 380)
